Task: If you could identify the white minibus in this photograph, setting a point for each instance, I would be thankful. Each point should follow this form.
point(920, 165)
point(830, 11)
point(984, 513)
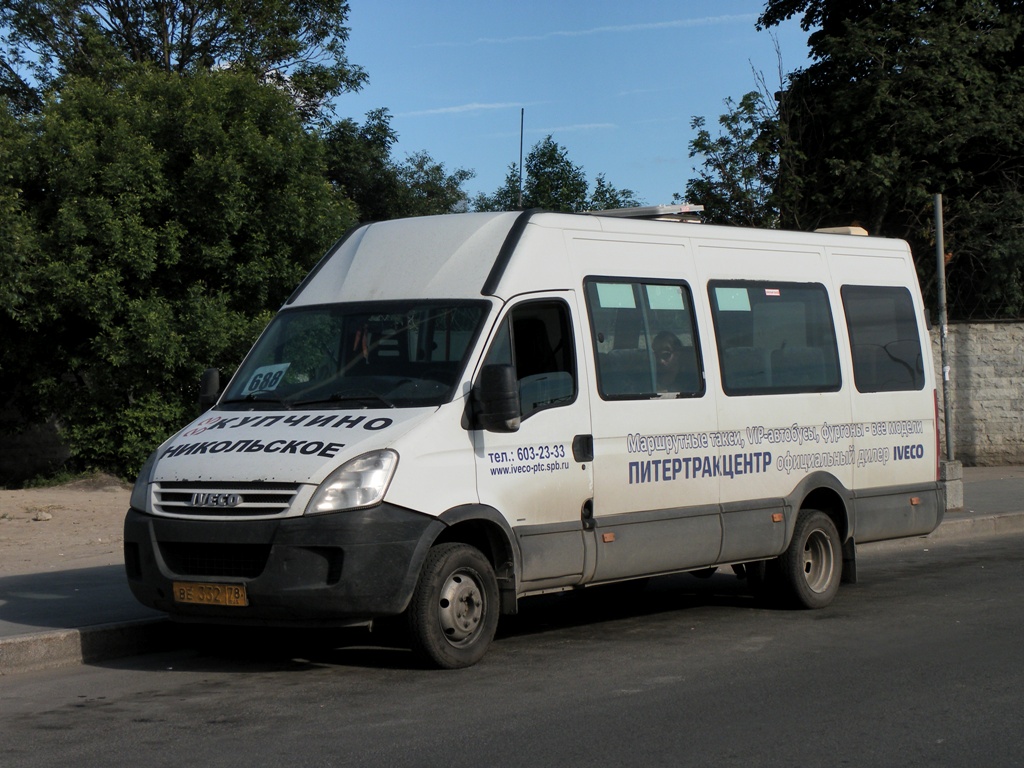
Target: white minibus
point(451, 413)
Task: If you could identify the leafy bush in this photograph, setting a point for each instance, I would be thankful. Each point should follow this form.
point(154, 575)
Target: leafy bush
point(160, 218)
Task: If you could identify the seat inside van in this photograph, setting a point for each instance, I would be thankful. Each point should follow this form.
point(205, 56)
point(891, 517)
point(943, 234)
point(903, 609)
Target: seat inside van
point(746, 368)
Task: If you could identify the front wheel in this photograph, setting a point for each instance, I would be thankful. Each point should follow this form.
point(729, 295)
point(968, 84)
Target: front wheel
point(812, 565)
point(454, 610)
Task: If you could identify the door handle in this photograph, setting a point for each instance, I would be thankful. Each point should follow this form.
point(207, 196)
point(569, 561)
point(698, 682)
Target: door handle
point(583, 448)
point(587, 514)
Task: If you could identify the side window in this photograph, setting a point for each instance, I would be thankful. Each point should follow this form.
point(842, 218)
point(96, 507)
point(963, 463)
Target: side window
point(536, 338)
point(774, 338)
point(884, 338)
point(645, 338)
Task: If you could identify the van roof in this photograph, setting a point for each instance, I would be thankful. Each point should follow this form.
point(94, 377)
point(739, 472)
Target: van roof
point(423, 257)
point(468, 255)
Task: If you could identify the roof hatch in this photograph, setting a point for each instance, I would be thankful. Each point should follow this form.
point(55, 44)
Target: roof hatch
point(684, 212)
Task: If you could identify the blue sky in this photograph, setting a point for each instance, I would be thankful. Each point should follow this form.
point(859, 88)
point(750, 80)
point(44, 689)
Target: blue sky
point(614, 82)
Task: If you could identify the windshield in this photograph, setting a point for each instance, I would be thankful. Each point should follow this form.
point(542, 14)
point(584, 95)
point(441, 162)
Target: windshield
point(390, 354)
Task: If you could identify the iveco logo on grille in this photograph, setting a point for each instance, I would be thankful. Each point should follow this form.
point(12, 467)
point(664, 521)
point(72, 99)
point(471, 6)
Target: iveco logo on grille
point(215, 500)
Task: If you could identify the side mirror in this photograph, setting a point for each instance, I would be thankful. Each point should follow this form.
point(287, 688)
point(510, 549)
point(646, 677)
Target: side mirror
point(209, 389)
point(496, 399)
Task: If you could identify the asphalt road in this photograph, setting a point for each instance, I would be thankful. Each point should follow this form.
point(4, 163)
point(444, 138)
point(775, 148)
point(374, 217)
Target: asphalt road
point(918, 664)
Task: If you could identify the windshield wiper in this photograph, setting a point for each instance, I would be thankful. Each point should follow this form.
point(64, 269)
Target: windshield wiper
point(258, 397)
point(348, 396)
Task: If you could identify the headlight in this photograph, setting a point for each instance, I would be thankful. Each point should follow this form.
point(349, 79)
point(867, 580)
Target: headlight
point(359, 483)
point(140, 491)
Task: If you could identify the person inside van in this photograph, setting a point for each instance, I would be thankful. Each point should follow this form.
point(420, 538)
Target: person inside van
point(669, 357)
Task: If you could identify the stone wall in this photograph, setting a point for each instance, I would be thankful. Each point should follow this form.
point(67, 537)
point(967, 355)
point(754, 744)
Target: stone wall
point(986, 392)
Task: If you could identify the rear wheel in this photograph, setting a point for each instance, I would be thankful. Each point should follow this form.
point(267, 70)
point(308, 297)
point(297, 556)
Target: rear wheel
point(454, 610)
point(812, 565)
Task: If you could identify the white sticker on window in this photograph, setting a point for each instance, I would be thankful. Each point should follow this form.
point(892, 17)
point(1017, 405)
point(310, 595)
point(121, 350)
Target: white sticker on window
point(666, 297)
point(732, 299)
point(615, 296)
point(266, 378)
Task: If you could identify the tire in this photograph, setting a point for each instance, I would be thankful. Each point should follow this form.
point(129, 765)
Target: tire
point(453, 613)
point(812, 565)
point(704, 573)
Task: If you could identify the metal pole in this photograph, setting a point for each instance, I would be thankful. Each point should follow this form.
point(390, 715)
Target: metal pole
point(522, 119)
point(940, 272)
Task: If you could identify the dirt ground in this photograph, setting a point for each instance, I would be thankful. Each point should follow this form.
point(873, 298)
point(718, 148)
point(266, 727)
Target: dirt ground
point(77, 525)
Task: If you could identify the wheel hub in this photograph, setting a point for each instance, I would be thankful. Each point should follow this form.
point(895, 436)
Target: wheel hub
point(460, 608)
point(819, 561)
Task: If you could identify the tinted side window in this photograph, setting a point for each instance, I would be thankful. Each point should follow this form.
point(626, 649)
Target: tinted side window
point(884, 338)
point(645, 339)
point(774, 338)
point(536, 338)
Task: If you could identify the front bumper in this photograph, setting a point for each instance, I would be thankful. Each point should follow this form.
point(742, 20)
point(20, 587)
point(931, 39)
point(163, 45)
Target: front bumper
point(330, 569)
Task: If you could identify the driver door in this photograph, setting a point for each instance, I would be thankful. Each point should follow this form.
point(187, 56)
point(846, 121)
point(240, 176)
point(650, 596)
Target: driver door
point(540, 477)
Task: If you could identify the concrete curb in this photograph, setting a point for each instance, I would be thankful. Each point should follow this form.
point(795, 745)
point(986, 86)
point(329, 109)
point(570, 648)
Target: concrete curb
point(103, 642)
point(985, 525)
point(86, 645)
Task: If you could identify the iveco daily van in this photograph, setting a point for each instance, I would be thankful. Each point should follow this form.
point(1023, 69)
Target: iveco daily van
point(453, 412)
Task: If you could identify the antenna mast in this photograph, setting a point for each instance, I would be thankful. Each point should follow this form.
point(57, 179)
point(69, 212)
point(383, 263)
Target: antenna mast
point(522, 115)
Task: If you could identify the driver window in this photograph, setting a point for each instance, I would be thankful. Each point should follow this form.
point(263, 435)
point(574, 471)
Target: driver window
point(536, 338)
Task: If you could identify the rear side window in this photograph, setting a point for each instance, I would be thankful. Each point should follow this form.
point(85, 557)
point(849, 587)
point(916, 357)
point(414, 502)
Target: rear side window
point(774, 338)
point(645, 338)
point(884, 338)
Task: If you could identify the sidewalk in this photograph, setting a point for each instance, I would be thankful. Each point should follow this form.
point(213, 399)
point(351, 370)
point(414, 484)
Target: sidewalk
point(60, 617)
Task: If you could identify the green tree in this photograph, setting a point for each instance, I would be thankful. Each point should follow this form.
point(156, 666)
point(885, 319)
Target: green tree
point(169, 213)
point(16, 231)
point(19, 251)
point(554, 183)
point(606, 196)
point(429, 188)
point(736, 181)
point(360, 164)
point(903, 100)
point(358, 160)
point(299, 46)
point(506, 198)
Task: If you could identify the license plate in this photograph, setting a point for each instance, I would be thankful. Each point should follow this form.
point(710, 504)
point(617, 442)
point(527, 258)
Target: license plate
point(210, 594)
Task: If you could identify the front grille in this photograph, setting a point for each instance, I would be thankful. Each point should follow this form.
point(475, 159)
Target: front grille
point(241, 560)
point(224, 499)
